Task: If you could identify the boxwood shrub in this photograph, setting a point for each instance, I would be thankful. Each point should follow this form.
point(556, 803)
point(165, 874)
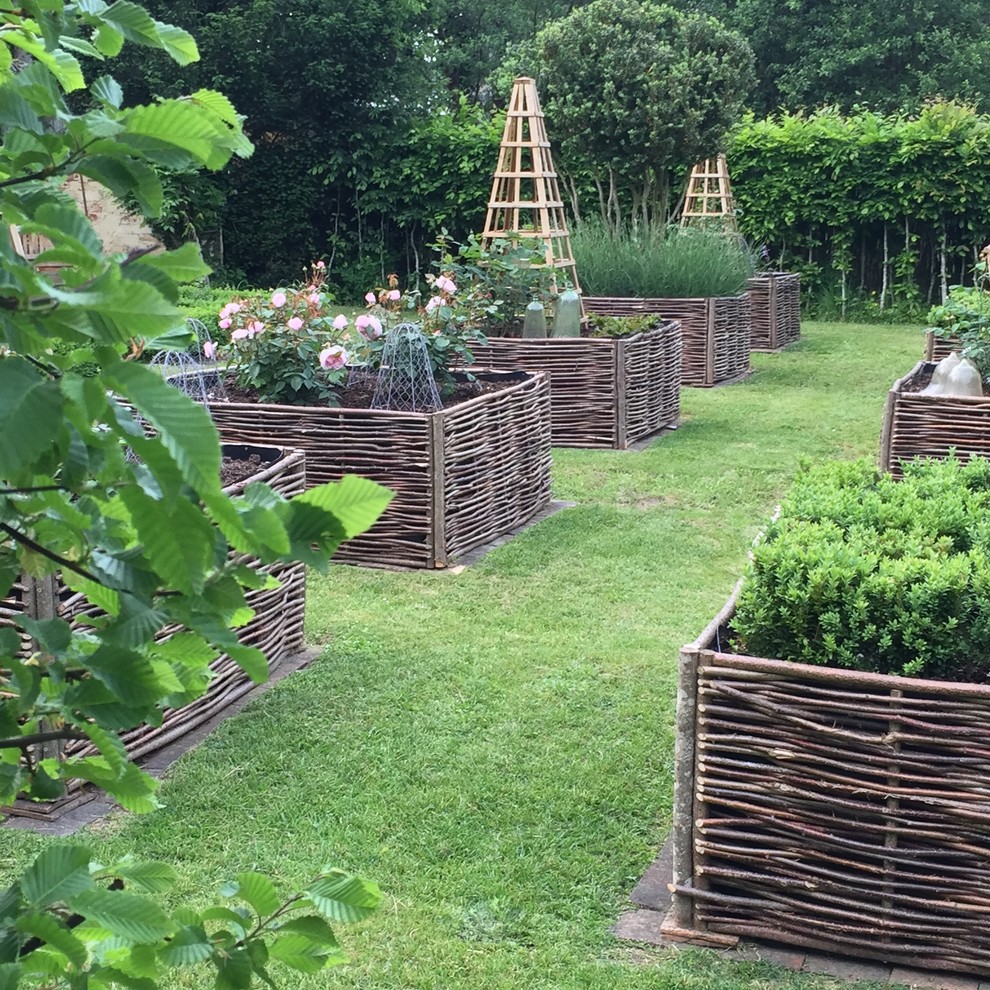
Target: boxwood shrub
point(860, 571)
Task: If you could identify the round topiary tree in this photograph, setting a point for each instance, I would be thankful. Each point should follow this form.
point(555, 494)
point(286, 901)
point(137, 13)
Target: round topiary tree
point(633, 89)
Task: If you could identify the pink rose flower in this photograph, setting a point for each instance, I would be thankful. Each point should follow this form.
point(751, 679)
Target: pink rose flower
point(240, 334)
point(256, 327)
point(278, 299)
point(369, 298)
point(333, 358)
point(340, 322)
point(394, 295)
point(295, 323)
point(209, 350)
point(444, 284)
point(321, 264)
point(371, 327)
point(224, 324)
point(314, 298)
point(433, 303)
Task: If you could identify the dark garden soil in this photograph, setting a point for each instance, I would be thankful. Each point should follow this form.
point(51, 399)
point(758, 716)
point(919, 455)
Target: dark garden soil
point(234, 469)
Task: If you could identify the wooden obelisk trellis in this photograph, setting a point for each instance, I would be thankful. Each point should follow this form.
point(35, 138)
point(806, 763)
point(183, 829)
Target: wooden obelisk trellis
point(708, 198)
point(525, 204)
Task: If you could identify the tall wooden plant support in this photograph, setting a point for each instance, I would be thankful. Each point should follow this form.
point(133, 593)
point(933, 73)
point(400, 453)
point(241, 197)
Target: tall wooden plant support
point(525, 203)
point(708, 197)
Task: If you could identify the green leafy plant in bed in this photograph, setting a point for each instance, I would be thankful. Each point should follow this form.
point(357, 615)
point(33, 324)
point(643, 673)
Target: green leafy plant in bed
point(864, 572)
point(672, 263)
point(621, 326)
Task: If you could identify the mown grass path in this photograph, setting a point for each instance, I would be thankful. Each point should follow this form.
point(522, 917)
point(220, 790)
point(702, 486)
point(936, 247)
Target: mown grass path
point(495, 746)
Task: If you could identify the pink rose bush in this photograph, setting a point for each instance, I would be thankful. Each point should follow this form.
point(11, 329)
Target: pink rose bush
point(443, 320)
point(289, 348)
point(286, 346)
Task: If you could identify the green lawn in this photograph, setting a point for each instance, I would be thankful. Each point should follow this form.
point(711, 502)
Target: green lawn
point(494, 746)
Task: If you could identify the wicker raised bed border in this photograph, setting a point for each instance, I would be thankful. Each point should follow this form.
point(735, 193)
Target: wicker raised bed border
point(463, 477)
point(276, 629)
point(775, 310)
point(832, 809)
point(714, 333)
point(604, 392)
point(931, 425)
point(937, 348)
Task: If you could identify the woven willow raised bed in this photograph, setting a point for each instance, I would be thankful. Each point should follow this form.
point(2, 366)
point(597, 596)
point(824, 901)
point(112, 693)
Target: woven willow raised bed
point(462, 477)
point(276, 629)
point(831, 809)
point(775, 310)
point(931, 425)
point(937, 348)
point(604, 392)
point(714, 333)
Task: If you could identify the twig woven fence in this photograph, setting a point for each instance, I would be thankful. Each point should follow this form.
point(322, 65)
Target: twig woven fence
point(604, 392)
point(931, 425)
point(937, 348)
point(775, 310)
point(714, 332)
point(463, 476)
point(832, 809)
point(276, 629)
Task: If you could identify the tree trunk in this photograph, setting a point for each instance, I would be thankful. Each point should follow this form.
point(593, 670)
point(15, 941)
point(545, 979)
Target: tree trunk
point(942, 267)
point(885, 278)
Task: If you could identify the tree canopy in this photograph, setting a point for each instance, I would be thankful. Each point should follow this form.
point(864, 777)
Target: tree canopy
point(635, 89)
point(879, 53)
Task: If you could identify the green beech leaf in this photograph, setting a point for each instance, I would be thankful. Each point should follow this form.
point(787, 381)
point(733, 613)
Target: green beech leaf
point(15, 111)
point(54, 933)
point(185, 427)
point(80, 45)
point(10, 642)
point(184, 264)
point(234, 970)
point(104, 598)
point(356, 502)
point(240, 924)
point(150, 876)
point(53, 635)
point(173, 124)
point(110, 747)
point(303, 954)
point(189, 945)
point(57, 874)
point(126, 177)
point(133, 789)
point(313, 927)
point(108, 40)
point(10, 974)
point(177, 538)
point(30, 414)
point(252, 661)
point(179, 44)
point(257, 890)
point(131, 916)
point(344, 898)
point(107, 89)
